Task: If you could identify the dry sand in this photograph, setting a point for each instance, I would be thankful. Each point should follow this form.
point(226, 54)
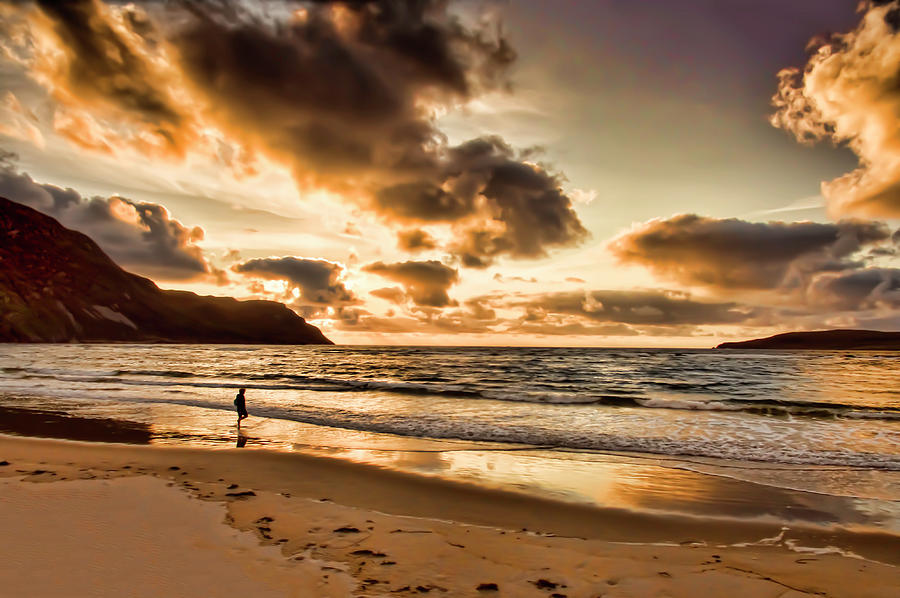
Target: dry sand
point(83, 519)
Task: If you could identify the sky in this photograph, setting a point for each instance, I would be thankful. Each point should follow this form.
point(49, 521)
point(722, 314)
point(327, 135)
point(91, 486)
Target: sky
point(521, 172)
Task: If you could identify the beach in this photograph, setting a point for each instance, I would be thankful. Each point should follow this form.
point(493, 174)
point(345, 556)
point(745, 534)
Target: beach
point(152, 519)
point(391, 298)
point(404, 471)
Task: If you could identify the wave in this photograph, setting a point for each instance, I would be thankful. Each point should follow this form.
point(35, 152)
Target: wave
point(777, 408)
point(300, 382)
point(534, 435)
point(678, 385)
point(464, 429)
point(161, 373)
point(624, 398)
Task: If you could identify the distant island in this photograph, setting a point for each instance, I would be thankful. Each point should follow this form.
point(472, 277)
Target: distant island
point(57, 285)
point(838, 340)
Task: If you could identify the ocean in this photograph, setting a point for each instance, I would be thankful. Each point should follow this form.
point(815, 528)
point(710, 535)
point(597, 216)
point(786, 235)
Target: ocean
point(546, 420)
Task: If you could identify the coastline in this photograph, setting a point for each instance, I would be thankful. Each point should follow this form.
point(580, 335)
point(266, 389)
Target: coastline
point(616, 482)
point(455, 536)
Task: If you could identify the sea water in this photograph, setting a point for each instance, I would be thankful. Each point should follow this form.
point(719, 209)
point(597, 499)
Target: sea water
point(552, 419)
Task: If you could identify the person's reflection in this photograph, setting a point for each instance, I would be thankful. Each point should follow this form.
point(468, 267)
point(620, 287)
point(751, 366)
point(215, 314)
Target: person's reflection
point(242, 440)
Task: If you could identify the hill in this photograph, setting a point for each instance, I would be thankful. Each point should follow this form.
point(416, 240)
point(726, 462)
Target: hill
point(838, 340)
point(57, 285)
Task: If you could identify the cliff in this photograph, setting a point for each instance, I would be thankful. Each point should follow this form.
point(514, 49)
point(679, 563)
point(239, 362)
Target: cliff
point(838, 340)
point(57, 285)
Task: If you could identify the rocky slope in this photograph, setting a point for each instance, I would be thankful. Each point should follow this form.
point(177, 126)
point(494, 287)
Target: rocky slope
point(57, 285)
point(839, 340)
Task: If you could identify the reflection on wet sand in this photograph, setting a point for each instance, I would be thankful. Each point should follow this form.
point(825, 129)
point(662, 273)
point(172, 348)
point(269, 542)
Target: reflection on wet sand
point(28, 422)
point(622, 481)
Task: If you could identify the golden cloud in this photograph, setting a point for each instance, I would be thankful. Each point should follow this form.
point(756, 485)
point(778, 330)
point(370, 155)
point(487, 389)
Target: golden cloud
point(344, 94)
point(847, 94)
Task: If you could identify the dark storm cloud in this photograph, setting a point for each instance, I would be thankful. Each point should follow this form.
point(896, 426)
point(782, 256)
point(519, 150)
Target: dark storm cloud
point(866, 289)
point(728, 254)
point(426, 283)
point(422, 202)
point(356, 115)
point(344, 93)
point(139, 236)
point(526, 199)
point(521, 207)
point(415, 240)
point(319, 281)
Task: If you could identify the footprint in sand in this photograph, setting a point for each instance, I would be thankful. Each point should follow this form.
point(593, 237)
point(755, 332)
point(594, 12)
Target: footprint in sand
point(366, 552)
point(544, 584)
point(244, 494)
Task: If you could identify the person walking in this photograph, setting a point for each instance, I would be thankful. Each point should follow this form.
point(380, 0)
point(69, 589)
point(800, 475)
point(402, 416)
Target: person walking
point(240, 404)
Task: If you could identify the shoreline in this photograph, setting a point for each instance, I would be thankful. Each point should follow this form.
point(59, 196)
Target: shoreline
point(370, 487)
point(427, 528)
point(628, 482)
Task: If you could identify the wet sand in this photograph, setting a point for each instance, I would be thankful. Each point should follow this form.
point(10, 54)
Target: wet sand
point(322, 527)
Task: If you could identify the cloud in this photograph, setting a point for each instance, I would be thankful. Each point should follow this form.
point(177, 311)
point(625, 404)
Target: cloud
point(479, 311)
point(19, 122)
point(500, 278)
point(108, 60)
point(414, 325)
point(392, 294)
point(500, 204)
point(318, 281)
point(415, 240)
point(567, 327)
point(847, 93)
point(865, 289)
point(345, 94)
point(656, 308)
point(342, 88)
point(139, 236)
point(591, 313)
point(426, 283)
point(804, 275)
point(731, 254)
point(427, 320)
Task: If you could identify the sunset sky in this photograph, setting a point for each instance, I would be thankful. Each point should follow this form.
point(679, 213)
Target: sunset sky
point(522, 172)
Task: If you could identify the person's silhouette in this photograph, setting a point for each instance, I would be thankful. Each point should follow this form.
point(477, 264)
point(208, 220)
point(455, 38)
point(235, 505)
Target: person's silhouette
point(241, 405)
